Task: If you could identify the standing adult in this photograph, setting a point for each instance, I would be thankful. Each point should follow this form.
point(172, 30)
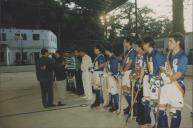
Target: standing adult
point(173, 91)
point(128, 66)
point(60, 77)
point(154, 60)
point(86, 74)
point(78, 72)
point(99, 65)
point(46, 78)
point(112, 63)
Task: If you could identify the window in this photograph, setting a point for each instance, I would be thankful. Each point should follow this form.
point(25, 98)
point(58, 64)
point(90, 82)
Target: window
point(2, 57)
point(24, 56)
point(36, 36)
point(24, 36)
point(18, 36)
point(3, 38)
point(17, 56)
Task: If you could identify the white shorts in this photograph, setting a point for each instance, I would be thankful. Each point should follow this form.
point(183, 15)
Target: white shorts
point(125, 79)
point(96, 80)
point(146, 86)
point(154, 88)
point(170, 94)
point(112, 85)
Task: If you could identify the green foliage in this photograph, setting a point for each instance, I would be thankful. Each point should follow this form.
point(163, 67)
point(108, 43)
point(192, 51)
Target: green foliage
point(80, 25)
point(156, 27)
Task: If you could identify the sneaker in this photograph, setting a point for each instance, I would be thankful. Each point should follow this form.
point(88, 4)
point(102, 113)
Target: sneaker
point(95, 105)
point(114, 108)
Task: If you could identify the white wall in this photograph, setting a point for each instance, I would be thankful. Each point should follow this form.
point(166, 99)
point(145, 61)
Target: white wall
point(47, 40)
point(188, 42)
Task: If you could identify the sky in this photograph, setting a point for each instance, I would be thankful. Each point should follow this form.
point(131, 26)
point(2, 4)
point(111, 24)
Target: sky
point(164, 8)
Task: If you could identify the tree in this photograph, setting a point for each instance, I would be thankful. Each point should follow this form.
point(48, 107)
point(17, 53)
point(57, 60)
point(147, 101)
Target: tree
point(178, 16)
point(146, 24)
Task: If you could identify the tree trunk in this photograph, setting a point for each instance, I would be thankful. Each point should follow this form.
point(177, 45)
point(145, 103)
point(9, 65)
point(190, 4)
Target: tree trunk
point(178, 16)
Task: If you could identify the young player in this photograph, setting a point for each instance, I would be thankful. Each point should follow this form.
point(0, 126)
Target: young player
point(172, 93)
point(112, 63)
point(139, 71)
point(99, 64)
point(128, 66)
point(151, 82)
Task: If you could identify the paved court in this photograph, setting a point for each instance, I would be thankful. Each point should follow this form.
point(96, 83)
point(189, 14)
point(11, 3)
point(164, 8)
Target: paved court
point(20, 107)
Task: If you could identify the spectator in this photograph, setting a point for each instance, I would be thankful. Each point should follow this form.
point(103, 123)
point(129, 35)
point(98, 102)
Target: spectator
point(86, 74)
point(70, 66)
point(78, 72)
point(46, 78)
point(60, 77)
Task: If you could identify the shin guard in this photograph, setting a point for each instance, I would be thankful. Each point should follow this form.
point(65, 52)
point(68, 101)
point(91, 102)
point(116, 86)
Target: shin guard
point(176, 119)
point(162, 119)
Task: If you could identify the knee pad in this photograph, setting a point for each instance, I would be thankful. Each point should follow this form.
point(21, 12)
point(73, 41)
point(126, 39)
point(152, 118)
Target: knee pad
point(153, 106)
point(176, 119)
point(162, 119)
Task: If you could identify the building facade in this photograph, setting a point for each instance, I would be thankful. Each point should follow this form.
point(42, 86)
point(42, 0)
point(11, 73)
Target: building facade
point(161, 43)
point(23, 46)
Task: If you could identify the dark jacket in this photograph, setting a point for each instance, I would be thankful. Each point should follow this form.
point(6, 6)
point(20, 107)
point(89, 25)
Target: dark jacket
point(59, 69)
point(45, 69)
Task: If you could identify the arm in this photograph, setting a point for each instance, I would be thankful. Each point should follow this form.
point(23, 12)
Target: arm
point(128, 65)
point(86, 64)
point(181, 69)
point(130, 58)
point(142, 75)
point(101, 62)
point(114, 66)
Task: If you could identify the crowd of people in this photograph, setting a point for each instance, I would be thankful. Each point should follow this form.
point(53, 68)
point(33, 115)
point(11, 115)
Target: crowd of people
point(150, 81)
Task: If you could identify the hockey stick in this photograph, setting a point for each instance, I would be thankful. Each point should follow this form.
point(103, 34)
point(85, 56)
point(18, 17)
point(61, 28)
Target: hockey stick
point(120, 99)
point(157, 113)
point(132, 95)
point(101, 91)
point(131, 109)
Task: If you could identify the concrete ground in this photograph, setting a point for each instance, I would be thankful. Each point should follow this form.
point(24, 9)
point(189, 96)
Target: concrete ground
point(20, 107)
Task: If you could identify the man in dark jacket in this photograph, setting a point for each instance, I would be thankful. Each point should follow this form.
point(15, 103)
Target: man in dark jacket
point(46, 78)
point(60, 77)
point(78, 72)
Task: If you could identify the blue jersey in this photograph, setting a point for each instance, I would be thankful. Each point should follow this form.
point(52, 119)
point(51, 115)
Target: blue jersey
point(178, 63)
point(113, 64)
point(100, 59)
point(130, 55)
point(154, 61)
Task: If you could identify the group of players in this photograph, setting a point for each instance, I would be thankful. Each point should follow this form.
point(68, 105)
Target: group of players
point(150, 81)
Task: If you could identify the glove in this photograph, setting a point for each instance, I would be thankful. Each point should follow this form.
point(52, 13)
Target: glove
point(117, 75)
point(101, 75)
point(138, 85)
point(165, 78)
point(91, 69)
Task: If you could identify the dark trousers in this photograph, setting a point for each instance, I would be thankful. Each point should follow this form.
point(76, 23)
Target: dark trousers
point(79, 84)
point(47, 93)
point(99, 97)
point(141, 119)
